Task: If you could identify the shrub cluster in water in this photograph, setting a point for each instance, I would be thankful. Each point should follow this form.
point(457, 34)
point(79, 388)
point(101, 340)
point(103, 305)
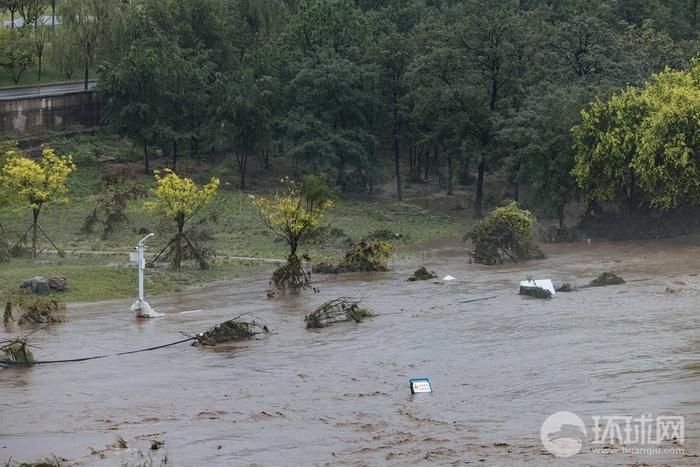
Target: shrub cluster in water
point(607, 278)
point(24, 307)
point(361, 256)
point(422, 274)
point(506, 233)
point(336, 311)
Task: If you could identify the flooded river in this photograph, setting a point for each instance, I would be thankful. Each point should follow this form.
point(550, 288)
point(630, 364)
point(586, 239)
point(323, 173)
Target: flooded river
point(341, 396)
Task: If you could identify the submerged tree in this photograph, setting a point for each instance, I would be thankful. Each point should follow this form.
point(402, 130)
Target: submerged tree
point(37, 183)
point(291, 216)
point(179, 200)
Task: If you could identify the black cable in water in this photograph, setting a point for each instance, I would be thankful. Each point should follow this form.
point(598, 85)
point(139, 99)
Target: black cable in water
point(7, 363)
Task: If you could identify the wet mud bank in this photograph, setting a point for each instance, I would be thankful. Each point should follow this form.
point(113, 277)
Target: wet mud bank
point(340, 395)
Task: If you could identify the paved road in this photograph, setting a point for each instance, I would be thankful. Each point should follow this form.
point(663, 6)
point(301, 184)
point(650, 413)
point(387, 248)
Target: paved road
point(47, 90)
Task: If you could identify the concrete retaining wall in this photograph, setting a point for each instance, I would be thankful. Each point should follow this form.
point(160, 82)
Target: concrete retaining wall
point(35, 114)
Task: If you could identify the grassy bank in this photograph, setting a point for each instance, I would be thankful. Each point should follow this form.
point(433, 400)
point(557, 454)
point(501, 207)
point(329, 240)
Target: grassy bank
point(98, 269)
point(49, 75)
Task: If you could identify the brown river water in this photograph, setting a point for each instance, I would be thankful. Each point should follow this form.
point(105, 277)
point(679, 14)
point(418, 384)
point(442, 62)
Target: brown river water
point(340, 395)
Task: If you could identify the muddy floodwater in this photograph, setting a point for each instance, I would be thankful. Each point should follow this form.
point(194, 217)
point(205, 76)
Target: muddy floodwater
point(340, 395)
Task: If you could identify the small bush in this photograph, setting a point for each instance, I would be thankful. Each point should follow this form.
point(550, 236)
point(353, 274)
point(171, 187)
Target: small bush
point(16, 352)
point(607, 278)
point(422, 274)
point(336, 311)
point(364, 256)
point(231, 331)
point(25, 308)
point(506, 233)
point(537, 292)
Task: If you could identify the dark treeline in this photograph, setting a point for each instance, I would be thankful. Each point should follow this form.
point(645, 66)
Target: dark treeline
point(370, 91)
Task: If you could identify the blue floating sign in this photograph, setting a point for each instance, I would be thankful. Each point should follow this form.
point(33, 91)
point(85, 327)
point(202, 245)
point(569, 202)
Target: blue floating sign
point(420, 386)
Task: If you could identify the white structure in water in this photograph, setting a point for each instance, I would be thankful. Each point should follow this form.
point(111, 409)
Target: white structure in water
point(141, 307)
point(545, 284)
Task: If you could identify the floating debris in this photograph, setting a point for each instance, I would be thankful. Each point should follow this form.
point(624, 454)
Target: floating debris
point(607, 278)
point(422, 274)
point(566, 287)
point(230, 331)
point(23, 307)
point(336, 311)
point(449, 278)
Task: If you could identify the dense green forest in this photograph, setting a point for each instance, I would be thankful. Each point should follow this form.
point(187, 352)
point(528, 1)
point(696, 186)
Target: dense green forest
point(373, 91)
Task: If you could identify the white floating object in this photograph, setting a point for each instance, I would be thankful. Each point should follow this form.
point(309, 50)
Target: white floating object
point(420, 385)
point(449, 278)
point(545, 284)
point(143, 310)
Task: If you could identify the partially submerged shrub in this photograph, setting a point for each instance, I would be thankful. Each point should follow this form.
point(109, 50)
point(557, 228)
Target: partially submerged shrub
point(15, 352)
point(537, 292)
point(336, 311)
point(24, 307)
point(506, 233)
point(607, 278)
point(422, 274)
point(231, 331)
point(565, 288)
point(364, 256)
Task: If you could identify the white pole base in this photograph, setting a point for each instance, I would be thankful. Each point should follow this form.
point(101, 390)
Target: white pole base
point(143, 310)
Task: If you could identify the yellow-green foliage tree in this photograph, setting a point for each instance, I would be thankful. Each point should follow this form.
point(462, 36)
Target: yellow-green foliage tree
point(291, 216)
point(605, 143)
point(668, 161)
point(37, 184)
point(646, 138)
point(179, 199)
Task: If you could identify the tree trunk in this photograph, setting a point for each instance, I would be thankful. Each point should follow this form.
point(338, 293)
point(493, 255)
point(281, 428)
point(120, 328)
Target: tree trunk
point(87, 65)
point(35, 223)
point(266, 154)
point(426, 167)
point(243, 167)
point(174, 154)
point(479, 187)
point(178, 243)
point(450, 174)
point(397, 162)
point(560, 215)
point(40, 62)
point(146, 159)
point(632, 198)
point(53, 15)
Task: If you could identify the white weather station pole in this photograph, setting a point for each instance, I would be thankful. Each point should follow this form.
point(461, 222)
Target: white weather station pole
point(140, 307)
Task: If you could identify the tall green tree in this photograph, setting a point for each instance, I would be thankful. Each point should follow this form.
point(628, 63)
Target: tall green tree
point(605, 144)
